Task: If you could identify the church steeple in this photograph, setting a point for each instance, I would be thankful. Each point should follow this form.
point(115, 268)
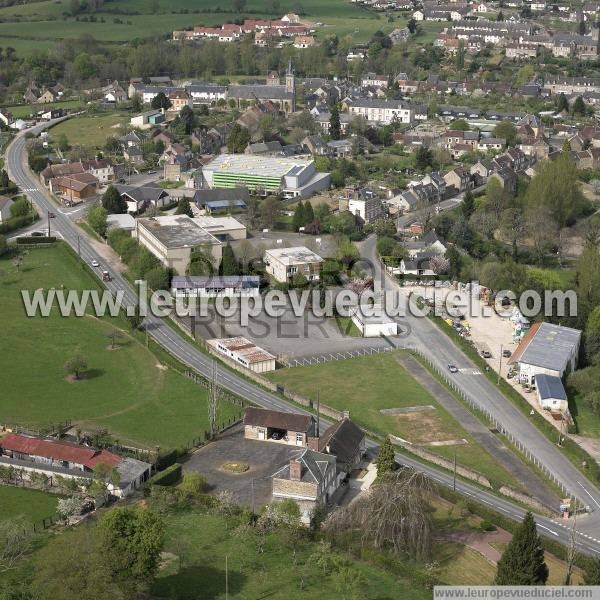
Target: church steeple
point(290, 78)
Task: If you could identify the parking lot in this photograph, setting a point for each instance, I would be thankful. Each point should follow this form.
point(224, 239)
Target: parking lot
point(263, 458)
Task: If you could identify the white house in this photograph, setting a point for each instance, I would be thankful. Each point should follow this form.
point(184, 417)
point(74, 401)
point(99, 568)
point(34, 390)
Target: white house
point(374, 323)
point(283, 264)
point(546, 349)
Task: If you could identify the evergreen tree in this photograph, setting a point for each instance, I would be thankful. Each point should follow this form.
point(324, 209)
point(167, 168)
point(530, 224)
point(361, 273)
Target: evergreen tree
point(229, 264)
point(386, 463)
point(468, 204)
point(335, 128)
point(160, 101)
point(309, 213)
point(579, 106)
point(522, 562)
point(184, 208)
point(562, 103)
point(113, 202)
point(500, 16)
point(299, 216)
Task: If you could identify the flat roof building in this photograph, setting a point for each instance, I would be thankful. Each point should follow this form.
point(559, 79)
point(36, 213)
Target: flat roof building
point(223, 228)
point(293, 178)
point(173, 238)
point(229, 286)
point(283, 264)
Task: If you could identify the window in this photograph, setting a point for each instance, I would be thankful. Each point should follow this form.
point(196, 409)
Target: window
point(299, 439)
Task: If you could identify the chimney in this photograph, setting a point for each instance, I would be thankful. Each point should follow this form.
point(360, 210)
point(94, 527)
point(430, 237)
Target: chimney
point(295, 470)
point(313, 443)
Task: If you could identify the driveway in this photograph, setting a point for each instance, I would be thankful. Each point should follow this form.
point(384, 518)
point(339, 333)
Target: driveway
point(264, 458)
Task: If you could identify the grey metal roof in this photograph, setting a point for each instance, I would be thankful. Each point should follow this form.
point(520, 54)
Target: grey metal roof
point(264, 92)
point(230, 281)
point(549, 386)
point(551, 347)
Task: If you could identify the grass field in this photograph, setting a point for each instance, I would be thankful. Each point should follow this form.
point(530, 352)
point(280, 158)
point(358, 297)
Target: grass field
point(366, 385)
point(90, 131)
point(24, 110)
point(587, 421)
point(39, 24)
point(281, 571)
point(126, 390)
point(34, 505)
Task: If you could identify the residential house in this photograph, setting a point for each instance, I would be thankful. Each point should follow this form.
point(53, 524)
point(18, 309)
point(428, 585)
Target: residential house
point(459, 179)
point(366, 204)
point(310, 479)
point(382, 112)
point(179, 99)
point(418, 266)
point(346, 441)
point(6, 117)
point(507, 178)
point(139, 198)
point(75, 188)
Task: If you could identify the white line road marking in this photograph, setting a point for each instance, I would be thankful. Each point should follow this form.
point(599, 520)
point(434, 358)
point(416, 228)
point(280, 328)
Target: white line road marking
point(548, 529)
point(586, 491)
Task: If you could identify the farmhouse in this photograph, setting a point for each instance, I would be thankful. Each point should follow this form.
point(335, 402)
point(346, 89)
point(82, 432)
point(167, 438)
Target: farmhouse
point(546, 349)
point(346, 441)
point(51, 457)
point(283, 264)
point(288, 428)
point(173, 238)
point(246, 353)
point(229, 286)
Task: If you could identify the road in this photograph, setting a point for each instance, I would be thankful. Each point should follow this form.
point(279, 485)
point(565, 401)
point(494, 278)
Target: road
point(16, 163)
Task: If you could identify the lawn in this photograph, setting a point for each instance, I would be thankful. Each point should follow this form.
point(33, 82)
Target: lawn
point(279, 572)
point(90, 130)
point(127, 390)
point(460, 565)
point(34, 505)
point(366, 385)
point(347, 326)
point(24, 110)
point(586, 419)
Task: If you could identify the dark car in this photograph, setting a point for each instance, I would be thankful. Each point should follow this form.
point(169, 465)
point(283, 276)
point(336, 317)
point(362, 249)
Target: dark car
point(506, 353)
point(486, 354)
point(276, 435)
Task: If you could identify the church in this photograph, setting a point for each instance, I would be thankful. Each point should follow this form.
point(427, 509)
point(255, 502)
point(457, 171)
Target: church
point(282, 95)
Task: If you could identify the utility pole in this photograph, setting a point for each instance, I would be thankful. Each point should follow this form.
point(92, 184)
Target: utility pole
point(318, 415)
point(454, 477)
point(500, 366)
point(78, 247)
point(213, 401)
point(252, 487)
point(571, 550)
point(226, 580)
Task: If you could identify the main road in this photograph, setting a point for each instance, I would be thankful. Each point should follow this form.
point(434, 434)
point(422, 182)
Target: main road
point(588, 534)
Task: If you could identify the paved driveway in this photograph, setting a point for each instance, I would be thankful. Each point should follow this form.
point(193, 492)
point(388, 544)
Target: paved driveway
point(264, 459)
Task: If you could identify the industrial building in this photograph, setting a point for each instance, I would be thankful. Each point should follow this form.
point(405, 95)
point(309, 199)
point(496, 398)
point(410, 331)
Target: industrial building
point(227, 286)
point(243, 352)
point(266, 175)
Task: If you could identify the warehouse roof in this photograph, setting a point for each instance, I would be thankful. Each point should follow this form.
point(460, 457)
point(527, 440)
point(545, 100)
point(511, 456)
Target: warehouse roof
point(264, 166)
point(177, 231)
point(294, 256)
point(549, 386)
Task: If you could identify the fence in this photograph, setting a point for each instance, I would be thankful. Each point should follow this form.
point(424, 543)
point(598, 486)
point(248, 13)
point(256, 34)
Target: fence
point(52, 430)
point(488, 415)
point(328, 357)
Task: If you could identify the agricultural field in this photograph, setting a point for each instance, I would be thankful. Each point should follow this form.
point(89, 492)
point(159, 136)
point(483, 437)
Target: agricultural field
point(20, 111)
point(90, 131)
point(365, 386)
point(125, 390)
point(39, 24)
point(33, 505)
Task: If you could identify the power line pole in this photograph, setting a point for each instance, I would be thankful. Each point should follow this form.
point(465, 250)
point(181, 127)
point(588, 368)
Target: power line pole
point(318, 414)
point(213, 401)
point(500, 366)
point(226, 579)
point(454, 476)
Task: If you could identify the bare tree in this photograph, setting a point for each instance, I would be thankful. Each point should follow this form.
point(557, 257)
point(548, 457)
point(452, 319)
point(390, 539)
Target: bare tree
point(394, 514)
point(16, 536)
point(113, 336)
point(213, 401)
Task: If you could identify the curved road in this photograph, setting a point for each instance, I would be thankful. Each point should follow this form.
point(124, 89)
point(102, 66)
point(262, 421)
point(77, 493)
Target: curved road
point(588, 535)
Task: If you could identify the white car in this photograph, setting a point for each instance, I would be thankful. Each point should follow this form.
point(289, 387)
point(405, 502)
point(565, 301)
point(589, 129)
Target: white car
point(95, 263)
point(452, 369)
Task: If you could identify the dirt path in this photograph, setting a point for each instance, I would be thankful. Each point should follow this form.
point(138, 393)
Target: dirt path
point(480, 542)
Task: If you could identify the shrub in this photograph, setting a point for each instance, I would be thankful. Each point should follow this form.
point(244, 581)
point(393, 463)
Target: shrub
point(487, 526)
point(23, 240)
point(169, 476)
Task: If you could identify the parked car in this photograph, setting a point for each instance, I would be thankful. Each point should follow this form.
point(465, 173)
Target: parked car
point(452, 369)
point(506, 353)
point(95, 263)
point(106, 276)
point(37, 234)
point(276, 435)
point(486, 354)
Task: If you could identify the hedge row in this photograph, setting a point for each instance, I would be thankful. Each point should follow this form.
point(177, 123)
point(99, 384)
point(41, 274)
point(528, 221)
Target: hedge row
point(169, 476)
point(33, 240)
point(17, 223)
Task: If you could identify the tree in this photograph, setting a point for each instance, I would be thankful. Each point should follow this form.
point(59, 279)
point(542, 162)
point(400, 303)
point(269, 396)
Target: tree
point(113, 336)
point(73, 565)
point(412, 26)
point(439, 264)
point(132, 539)
point(506, 130)
point(186, 116)
point(592, 572)
point(229, 264)
point(96, 218)
point(184, 208)
point(423, 158)
point(562, 103)
point(500, 16)
point(522, 563)
point(16, 537)
point(238, 139)
point(63, 142)
point(299, 216)
point(467, 206)
point(238, 6)
point(269, 210)
point(335, 128)
point(386, 461)
point(309, 213)
point(160, 101)
point(3, 245)
point(579, 106)
point(75, 366)
point(137, 103)
point(113, 202)
point(20, 208)
point(459, 125)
